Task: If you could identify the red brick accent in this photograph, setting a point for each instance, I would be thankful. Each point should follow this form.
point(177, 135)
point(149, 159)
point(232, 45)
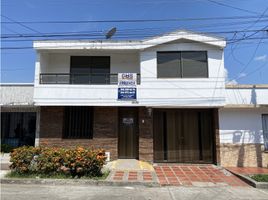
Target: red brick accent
point(145, 135)
point(217, 156)
point(104, 129)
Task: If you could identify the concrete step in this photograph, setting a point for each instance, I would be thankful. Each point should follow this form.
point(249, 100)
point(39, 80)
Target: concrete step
point(5, 166)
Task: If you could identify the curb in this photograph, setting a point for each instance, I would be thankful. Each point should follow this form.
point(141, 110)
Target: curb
point(250, 181)
point(76, 182)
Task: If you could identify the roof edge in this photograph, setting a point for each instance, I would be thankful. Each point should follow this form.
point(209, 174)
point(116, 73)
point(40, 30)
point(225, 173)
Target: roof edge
point(16, 84)
point(246, 86)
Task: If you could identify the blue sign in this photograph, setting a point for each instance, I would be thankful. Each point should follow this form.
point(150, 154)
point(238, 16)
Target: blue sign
point(127, 93)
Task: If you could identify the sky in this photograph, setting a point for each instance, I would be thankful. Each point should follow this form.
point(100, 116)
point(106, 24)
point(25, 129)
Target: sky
point(246, 60)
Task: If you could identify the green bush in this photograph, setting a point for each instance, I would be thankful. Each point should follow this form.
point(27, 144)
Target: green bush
point(44, 160)
point(6, 148)
point(260, 177)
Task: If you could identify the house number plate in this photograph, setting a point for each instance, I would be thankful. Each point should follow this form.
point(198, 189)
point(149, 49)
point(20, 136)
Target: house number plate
point(128, 121)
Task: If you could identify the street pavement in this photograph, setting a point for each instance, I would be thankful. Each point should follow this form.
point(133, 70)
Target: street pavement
point(53, 192)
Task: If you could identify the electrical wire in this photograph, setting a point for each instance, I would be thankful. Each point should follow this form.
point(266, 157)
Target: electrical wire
point(133, 20)
point(21, 24)
point(233, 7)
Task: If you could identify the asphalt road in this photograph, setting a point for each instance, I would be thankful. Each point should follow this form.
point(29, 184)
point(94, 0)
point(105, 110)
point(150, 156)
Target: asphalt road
point(51, 192)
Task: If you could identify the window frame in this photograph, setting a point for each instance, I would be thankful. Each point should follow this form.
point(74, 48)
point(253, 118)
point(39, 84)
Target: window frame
point(65, 131)
point(157, 74)
point(181, 65)
point(262, 121)
point(89, 66)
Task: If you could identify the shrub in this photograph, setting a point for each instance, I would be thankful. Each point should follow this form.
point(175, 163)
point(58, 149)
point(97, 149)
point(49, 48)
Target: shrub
point(260, 177)
point(22, 157)
point(6, 148)
point(44, 160)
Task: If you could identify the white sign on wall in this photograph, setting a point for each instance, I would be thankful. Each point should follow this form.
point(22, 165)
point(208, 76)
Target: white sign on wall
point(127, 79)
point(127, 86)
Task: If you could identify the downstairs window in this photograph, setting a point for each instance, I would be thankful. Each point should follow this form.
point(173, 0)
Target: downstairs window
point(78, 122)
point(265, 130)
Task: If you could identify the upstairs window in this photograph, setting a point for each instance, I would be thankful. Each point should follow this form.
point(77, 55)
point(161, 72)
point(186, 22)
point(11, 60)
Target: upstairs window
point(78, 122)
point(90, 69)
point(182, 64)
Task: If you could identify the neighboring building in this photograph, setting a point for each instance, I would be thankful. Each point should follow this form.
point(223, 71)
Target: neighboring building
point(176, 110)
point(18, 114)
point(244, 126)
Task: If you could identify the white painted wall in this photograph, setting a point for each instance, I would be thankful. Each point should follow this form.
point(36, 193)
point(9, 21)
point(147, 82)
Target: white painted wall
point(238, 126)
point(60, 62)
point(183, 92)
point(16, 94)
point(247, 96)
point(179, 92)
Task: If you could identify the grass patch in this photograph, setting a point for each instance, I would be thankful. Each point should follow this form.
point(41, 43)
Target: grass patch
point(102, 177)
point(260, 177)
point(14, 174)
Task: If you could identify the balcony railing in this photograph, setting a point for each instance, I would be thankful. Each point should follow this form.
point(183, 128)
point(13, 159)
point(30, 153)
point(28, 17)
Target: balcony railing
point(85, 79)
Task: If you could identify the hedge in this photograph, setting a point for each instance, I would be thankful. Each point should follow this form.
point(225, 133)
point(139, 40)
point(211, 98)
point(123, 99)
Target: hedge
point(76, 162)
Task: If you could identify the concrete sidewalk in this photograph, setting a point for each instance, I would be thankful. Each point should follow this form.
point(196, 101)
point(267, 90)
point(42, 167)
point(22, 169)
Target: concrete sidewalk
point(55, 192)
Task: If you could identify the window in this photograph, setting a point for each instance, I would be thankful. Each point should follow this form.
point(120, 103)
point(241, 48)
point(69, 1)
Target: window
point(265, 130)
point(18, 128)
point(168, 65)
point(90, 69)
point(78, 122)
point(184, 64)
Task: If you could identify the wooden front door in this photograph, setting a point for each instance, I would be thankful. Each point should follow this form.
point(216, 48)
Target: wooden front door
point(128, 133)
point(184, 136)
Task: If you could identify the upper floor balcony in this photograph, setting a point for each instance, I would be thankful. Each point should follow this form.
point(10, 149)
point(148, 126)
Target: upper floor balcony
point(172, 71)
point(82, 78)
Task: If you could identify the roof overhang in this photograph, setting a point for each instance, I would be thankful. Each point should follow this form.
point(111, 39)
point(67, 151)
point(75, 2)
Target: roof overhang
point(130, 44)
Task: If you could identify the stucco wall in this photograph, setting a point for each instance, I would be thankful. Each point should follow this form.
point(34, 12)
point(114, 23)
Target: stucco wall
point(241, 137)
point(60, 62)
point(183, 92)
point(247, 95)
point(154, 92)
point(238, 126)
point(16, 94)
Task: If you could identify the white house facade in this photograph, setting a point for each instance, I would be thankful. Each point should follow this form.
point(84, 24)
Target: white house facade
point(162, 99)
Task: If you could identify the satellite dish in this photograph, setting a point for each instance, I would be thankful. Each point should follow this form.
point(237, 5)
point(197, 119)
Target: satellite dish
point(110, 33)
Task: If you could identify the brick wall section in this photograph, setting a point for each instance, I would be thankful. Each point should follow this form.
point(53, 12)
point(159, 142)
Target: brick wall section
point(51, 122)
point(145, 135)
point(104, 129)
point(243, 155)
point(217, 154)
point(105, 122)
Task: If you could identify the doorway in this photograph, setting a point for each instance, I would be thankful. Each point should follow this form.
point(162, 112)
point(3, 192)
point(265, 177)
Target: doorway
point(128, 133)
point(183, 135)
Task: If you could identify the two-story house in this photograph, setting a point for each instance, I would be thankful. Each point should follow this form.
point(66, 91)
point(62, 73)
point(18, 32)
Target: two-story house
point(180, 86)
point(176, 107)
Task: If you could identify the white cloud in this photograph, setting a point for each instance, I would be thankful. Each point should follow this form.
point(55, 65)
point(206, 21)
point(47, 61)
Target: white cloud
point(242, 75)
point(232, 82)
point(261, 58)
